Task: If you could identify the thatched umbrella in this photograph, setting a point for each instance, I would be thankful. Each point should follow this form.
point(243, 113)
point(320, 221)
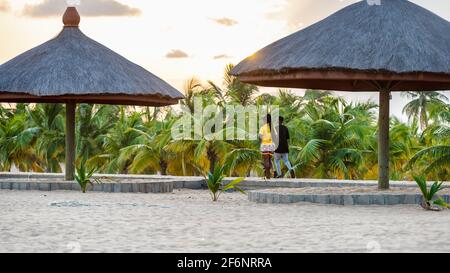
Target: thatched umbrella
point(71, 69)
point(394, 46)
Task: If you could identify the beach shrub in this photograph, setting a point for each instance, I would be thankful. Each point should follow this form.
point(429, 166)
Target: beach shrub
point(428, 194)
point(85, 177)
point(214, 180)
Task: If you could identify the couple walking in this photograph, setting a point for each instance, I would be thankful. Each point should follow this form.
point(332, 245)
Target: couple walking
point(280, 150)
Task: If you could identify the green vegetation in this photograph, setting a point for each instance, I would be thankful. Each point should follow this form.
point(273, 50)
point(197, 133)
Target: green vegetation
point(214, 180)
point(429, 194)
point(330, 137)
point(84, 177)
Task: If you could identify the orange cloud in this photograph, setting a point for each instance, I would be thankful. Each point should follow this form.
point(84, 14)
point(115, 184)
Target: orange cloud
point(298, 14)
point(176, 54)
point(222, 56)
point(4, 6)
point(226, 21)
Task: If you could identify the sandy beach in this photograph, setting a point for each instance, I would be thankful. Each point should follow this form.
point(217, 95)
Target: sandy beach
point(187, 221)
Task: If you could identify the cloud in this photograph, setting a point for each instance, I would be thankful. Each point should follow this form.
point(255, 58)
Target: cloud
point(303, 13)
point(4, 6)
point(222, 56)
point(225, 21)
point(177, 54)
point(91, 8)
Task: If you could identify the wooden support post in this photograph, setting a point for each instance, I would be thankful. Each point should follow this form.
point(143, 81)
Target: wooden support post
point(383, 140)
point(70, 141)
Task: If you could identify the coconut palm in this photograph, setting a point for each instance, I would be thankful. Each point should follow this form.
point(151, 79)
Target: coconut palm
point(121, 135)
point(265, 99)
point(289, 103)
point(5, 113)
point(181, 154)
point(244, 158)
point(47, 126)
point(192, 87)
point(16, 144)
point(214, 181)
point(330, 138)
point(429, 200)
point(333, 144)
point(149, 155)
point(217, 92)
point(402, 146)
point(206, 149)
point(434, 156)
point(237, 91)
point(316, 96)
point(422, 105)
point(94, 121)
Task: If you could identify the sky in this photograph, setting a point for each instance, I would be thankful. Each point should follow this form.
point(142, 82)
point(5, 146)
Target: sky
point(178, 39)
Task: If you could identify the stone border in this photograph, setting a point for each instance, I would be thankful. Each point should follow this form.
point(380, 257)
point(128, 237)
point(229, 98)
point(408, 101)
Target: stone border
point(193, 183)
point(196, 183)
point(132, 187)
point(338, 199)
point(255, 183)
point(6, 175)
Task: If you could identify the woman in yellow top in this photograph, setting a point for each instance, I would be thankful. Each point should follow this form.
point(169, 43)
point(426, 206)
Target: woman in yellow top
point(267, 145)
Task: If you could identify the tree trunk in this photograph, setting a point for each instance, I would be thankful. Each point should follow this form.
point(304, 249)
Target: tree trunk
point(70, 141)
point(383, 140)
point(163, 165)
point(183, 164)
point(212, 161)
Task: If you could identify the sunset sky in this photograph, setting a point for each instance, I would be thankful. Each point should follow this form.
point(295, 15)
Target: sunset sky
point(176, 39)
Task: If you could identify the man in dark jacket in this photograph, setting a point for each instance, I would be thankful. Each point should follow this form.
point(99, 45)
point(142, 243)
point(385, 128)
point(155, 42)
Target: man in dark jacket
point(282, 151)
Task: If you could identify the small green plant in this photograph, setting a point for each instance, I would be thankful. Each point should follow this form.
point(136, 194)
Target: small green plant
point(215, 184)
point(428, 195)
point(84, 177)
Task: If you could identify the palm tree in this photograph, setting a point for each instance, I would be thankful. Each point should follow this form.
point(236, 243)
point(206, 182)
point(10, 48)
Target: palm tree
point(334, 140)
point(16, 144)
point(192, 88)
point(217, 92)
point(243, 158)
point(122, 134)
point(403, 145)
point(316, 96)
point(182, 162)
point(434, 158)
point(422, 105)
point(265, 99)
point(330, 138)
point(94, 121)
point(5, 113)
point(149, 155)
point(237, 91)
point(205, 150)
point(289, 103)
point(47, 126)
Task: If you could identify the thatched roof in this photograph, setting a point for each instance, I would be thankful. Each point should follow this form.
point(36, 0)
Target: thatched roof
point(73, 67)
point(397, 42)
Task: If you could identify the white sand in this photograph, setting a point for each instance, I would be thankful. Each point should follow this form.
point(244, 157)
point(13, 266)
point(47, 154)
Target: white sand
point(186, 221)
